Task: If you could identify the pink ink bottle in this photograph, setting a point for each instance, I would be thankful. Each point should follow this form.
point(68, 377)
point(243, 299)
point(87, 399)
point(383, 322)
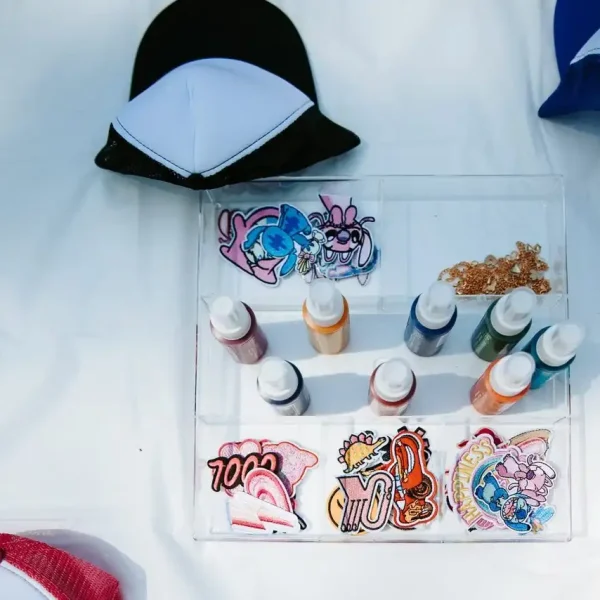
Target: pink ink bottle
point(392, 386)
point(234, 325)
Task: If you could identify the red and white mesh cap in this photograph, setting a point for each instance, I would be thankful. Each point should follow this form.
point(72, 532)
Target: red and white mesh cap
point(31, 570)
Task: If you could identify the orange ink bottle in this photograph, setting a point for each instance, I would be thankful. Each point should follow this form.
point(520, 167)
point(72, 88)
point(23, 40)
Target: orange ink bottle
point(503, 384)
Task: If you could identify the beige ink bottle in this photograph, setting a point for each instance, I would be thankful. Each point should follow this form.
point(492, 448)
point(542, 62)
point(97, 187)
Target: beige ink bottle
point(327, 317)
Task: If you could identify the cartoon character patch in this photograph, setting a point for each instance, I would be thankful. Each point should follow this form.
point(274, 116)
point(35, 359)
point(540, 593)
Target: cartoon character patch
point(504, 484)
point(260, 478)
point(265, 242)
point(271, 243)
point(415, 490)
point(387, 483)
point(348, 249)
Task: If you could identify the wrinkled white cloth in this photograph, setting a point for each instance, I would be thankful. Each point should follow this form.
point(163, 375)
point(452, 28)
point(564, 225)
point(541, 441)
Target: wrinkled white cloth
point(98, 274)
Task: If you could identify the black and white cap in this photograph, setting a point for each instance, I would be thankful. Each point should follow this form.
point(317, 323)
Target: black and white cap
point(222, 93)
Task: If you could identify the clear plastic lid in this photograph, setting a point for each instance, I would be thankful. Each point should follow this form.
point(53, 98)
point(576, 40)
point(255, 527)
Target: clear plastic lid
point(512, 374)
point(436, 306)
point(512, 313)
point(277, 380)
point(393, 380)
point(325, 303)
point(230, 318)
point(558, 344)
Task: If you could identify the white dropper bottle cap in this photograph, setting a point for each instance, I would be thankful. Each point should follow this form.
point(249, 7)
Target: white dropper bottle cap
point(436, 306)
point(393, 380)
point(325, 303)
point(512, 313)
point(277, 380)
point(512, 374)
point(558, 345)
point(230, 318)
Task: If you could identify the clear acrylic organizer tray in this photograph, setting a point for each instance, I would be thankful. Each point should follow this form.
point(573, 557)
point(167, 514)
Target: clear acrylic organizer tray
point(423, 225)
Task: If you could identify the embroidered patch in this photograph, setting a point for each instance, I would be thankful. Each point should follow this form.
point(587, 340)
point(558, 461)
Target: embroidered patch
point(261, 478)
point(348, 248)
point(503, 484)
point(273, 242)
point(388, 483)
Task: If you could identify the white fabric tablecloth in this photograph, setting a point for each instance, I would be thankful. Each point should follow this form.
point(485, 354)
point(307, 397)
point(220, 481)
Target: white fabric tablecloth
point(97, 283)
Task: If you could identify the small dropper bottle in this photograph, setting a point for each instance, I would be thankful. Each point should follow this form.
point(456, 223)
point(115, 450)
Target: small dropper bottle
point(503, 384)
point(233, 324)
point(327, 317)
point(553, 350)
point(432, 317)
point(505, 323)
point(392, 386)
point(281, 384)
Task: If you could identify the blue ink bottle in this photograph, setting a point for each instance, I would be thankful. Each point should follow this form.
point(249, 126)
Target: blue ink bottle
point(553, 349)
point(281, 385)
point(432, 317)
point(505, 323)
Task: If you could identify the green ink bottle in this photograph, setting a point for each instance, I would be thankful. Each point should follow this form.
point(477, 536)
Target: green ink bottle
point(505, 323)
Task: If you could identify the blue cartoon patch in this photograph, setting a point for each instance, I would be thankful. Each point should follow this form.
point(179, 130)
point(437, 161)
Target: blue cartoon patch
point(513, 509)
point(491, 493)
point(278, 240)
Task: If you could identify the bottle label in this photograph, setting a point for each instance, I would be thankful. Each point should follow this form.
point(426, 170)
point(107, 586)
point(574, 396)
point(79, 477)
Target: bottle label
point(388, 410)
point(423, 345)
point(251, 350)
point(542, 376)
point(296, 408)
point(487, 347)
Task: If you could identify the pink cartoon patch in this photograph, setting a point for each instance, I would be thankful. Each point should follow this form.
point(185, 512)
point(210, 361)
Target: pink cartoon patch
point(294, 461)
point(260, 478)
point(242, 448)
point(233, 229)
point(266, 486)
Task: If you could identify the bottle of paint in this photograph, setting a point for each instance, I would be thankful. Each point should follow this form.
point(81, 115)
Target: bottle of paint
point(505, 323)
point(553, 350)
point(503, 384)
point(234, 325)
point(327, 317)
point(392, 386)
point(432, 317)
point(281, 385)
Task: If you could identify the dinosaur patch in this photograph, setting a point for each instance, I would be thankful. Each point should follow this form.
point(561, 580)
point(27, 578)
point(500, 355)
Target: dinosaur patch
point(386, 483)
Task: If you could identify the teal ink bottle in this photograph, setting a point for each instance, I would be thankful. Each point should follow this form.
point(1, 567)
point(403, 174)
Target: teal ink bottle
point(553, 349)
point(505, 323)
point(432, 317)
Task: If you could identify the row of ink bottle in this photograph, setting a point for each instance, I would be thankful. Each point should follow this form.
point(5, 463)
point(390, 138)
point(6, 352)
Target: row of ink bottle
point(280, 383)
point(506, 322)
point(392, 385)
point(327, 317)
point(510, 376)
point(325, 312)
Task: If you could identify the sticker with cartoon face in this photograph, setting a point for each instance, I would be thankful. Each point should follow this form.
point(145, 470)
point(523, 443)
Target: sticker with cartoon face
point(265, 242)
point(503, 484)
point(387, 482)
point(272, 242)
point(348, 248)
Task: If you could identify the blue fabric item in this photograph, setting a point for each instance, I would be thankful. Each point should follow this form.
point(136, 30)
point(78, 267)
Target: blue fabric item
point(575, 22)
